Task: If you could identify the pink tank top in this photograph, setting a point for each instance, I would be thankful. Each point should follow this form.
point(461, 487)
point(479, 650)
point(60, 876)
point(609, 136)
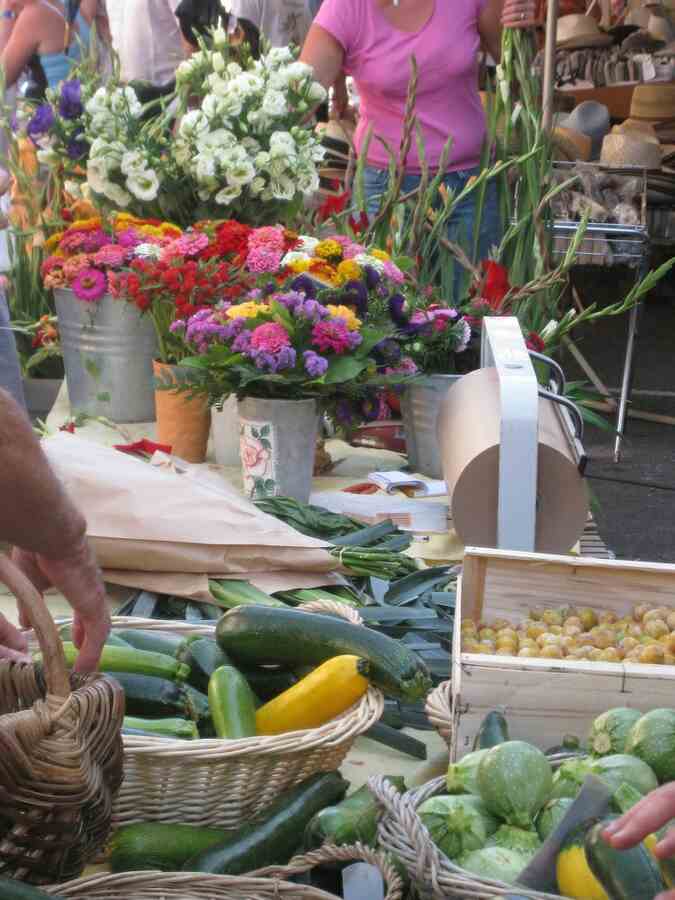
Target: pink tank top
point(377, 56)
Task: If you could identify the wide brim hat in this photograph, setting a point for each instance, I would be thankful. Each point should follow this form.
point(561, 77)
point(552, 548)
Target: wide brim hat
point(592, 119)
point(630, 150)
point(570, 145)
point(580, 31)
point(661, 28)
point(641, 127)
point(653, 101)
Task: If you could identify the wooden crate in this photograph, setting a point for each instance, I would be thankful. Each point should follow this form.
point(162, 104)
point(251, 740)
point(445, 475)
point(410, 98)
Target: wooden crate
point(545, 699)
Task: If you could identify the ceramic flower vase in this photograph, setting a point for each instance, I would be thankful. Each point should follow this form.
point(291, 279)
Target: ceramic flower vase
point(277, 445)
point(108, 347)
point(420, 405)
point(183, 422)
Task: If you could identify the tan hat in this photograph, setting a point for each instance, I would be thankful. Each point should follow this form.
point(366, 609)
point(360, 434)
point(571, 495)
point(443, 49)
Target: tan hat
point(639, 17)
point(644, 129)
point(661, 28)
point(570, 145)
point(653, 101)
point(580, 31)
point(630, 150)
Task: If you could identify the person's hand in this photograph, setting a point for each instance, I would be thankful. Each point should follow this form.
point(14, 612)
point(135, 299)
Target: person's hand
point(647, 816)
point(13, 644)
point(519, 13)
point(78, 578)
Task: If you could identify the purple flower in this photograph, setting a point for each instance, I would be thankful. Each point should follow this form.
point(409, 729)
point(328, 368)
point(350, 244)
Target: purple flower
point(304, 284)
point(344, 412)
point(178, 325)
point(397, 310)
point(315, 365)
point(70, 102)
point(372, 277)
point(42, 121)
point(311, 310)
point(241, 343)
point(291, 300)
point(355, 293)
point(269, 288)
point(273, 362)
point(387, 352)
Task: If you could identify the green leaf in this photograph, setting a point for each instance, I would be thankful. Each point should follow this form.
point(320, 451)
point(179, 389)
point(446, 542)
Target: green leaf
point(93, 368)
point(265, 443)
point(345, 368)
point(265, 430)
point(404, 263)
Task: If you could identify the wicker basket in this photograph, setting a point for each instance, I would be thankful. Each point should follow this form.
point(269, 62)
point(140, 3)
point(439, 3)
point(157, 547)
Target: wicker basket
point(219, 782)
point(402, 833)
point(265, 884)
point(61, 754)
point(438, 708)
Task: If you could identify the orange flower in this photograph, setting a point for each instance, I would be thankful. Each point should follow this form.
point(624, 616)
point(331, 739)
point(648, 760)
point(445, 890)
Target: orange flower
point(52, 242)
point(322, 270)
point(85, 224)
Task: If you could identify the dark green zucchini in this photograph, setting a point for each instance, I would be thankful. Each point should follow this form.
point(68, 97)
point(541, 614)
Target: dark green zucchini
point(180, 729)
point(268, 683)
point(159, 845)
point(132, 661)
point(197, 705)
point(354, 819)
point(255, 635)
point(271, 839)
point(149, 697)
point(624, 874)
point(204, 656)
point(113, 639)
point(232, 704)
point(154, 641)
point(18, 890)
point(493, 730)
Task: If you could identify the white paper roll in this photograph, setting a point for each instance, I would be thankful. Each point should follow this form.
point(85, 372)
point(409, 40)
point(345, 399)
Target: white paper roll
point(468, 434)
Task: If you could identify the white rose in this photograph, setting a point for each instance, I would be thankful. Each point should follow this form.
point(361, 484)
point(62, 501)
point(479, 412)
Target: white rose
point(274, 104)
point(132, 161)
point(144, 185)
point(227, 194)
point(282, 188)
point(117, 194)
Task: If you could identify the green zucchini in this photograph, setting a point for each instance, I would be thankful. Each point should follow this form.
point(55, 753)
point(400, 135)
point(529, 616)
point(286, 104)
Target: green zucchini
point(19, 890)
point(271, 839)
point(180, 729)
point(232, 704)
point(132, 662)
point(230, 594)
point(159, 845)
point(153, 641)
point(351, 821)
point(203, 656)
point(493, 730)
point(113, 639)
point(258, 635)
point(268, 683)
point(197, 705)
point(149, 697)
point(624, 874)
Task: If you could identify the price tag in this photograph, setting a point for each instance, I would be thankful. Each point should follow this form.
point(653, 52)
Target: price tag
point(648, 70)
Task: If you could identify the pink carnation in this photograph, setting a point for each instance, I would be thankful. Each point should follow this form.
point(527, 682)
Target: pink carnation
point(349, 250)
point(392, 272)
point(270, 236)
point(270, 338)
point(110, 256)
point(263, 258)
point(332, 334)
point(90, 285)
point(188, 244)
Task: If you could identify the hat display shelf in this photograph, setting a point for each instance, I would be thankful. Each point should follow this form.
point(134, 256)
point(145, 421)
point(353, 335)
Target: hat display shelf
point(636, 238)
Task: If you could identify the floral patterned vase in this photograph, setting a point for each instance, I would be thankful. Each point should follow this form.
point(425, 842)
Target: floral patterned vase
point(278, 442)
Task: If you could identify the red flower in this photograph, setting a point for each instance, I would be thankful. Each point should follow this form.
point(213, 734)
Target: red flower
point(333, 206)
point(358, 226)
point(535, 342)
point(495, 284)
point(69, 427)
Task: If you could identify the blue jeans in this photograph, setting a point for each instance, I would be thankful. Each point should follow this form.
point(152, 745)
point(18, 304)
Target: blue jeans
point(460, 228)
point(10, 370)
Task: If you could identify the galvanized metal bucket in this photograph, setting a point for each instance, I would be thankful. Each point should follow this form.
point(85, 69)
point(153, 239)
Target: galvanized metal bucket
point(225, 433)
point(278, 444)
point(420, 405)
point(108, 348)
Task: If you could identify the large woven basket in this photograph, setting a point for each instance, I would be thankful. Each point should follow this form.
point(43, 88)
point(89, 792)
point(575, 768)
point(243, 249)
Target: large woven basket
point(221, 782)
point(60, 752)
point(264, 884)
point(402, 832)
point(438, 708)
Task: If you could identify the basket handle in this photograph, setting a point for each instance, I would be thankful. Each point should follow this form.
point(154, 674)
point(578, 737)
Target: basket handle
point(53, 657)
point(439, 712)
point(329, 853)
point(333, 608)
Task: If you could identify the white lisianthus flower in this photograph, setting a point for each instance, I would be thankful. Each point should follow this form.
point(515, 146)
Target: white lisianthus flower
point(317, 93)
point(97, 103)
point(148, 251)
point(282, 188)
point(230, 105)
point(278, 56)
point(365, 259)
point(278, 166)
point(117, 195)
point(228, 194)
point(251, 145)
point(47, 156)
point(283, 140)
point(186, 70)
point(307, 181)
point(96, 175)
point(218, 62)
point(242, 173)
point(274, 104)
point(247, 84)
point(219, 36)
point(193, 124)
point(205, 168)
point(144, 185)
point(307, 244)
point(257, 186)
point(262, 160)
point(219, 139)
point(297, 71)
point(233, 69)
point(132, 161)
point(73, 188)
point(218, 84)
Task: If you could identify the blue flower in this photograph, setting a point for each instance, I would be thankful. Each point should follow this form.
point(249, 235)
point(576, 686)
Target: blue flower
point(315, 365)
point(70, 102)
point(42, 121)
point(372, 277)
point(355, 293)
point(387, 352)
point(77, 148)
point(304, 285)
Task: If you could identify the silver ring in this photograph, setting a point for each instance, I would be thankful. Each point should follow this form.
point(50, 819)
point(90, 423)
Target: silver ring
point(522, 17)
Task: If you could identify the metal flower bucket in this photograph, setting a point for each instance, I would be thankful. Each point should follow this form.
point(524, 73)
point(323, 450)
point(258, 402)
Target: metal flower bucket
point(108, 348)
point(420, 405)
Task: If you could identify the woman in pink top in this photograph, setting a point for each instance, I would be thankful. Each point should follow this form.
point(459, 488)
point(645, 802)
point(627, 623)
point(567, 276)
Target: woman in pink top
point(373, 41)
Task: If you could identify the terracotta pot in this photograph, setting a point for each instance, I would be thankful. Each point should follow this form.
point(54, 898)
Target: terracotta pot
point(183, 422)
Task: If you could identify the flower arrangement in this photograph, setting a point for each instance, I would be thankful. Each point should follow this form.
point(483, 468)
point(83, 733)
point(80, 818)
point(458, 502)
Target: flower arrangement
point(163, 271)
point(281, 344)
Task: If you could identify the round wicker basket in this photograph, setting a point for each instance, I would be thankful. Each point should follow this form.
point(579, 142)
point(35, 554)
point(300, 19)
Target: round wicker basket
point(220, 782)
point(438, 708)
point(265, 884)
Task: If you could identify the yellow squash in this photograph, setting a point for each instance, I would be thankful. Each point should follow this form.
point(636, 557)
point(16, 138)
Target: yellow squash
point(667, 866)
point(317, 698)
point(575, 878)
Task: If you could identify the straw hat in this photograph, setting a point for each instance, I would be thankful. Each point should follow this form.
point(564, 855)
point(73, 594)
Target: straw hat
point(639, 17)
point(580, 31)
point(640, 127)
point(591, 119)
point(660, 28)
point(629, 149)
point(570, 145)
point(653, 101)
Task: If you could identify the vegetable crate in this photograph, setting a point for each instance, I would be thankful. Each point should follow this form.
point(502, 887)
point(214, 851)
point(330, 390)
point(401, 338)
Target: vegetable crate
point(544, 699)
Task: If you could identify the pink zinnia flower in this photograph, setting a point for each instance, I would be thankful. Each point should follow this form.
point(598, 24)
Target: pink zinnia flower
point(270, 338)
point(332, 334)
point(270, 236)
point(263, 259)
point(73, 266)
point(130, 238)
point(392, 272)
point(188, 244)
point(51, 263)
point(349, 250)
point(111, 256)
point(90, 285)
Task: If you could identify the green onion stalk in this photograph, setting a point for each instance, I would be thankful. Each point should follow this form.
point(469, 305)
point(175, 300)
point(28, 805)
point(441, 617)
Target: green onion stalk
point(370, 562)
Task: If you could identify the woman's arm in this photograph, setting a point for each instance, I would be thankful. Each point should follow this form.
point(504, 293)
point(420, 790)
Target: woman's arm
point(324, 54)
point(23, 41)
